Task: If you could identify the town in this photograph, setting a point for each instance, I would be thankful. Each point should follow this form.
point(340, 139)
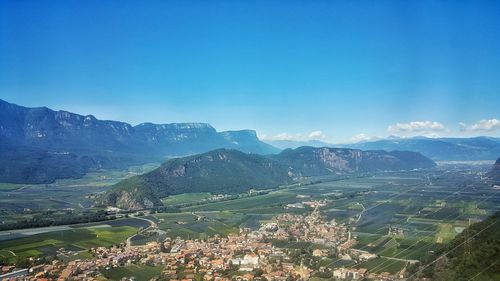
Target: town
point(290, 247)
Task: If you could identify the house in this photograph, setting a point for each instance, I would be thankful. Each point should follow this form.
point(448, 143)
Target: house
point(367, 256)
point(349, 273)
point(319, 253)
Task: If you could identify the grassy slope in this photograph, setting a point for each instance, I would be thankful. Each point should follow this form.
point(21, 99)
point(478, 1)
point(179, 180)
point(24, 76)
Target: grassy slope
point(475, 252)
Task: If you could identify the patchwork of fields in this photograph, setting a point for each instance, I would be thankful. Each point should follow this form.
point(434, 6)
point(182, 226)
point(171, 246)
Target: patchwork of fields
point(401, 217)
point(76, 238)
point(65, 193)
point(430, 209)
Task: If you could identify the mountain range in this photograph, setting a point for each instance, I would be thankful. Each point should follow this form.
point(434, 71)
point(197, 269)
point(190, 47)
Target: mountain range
point(39, 145)
point(284, 144)
point(438, 149)
point(231, 171)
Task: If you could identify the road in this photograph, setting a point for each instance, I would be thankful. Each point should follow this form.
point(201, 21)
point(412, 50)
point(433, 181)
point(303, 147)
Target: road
point(152, 225)
point(360, 214)
point(398, 259)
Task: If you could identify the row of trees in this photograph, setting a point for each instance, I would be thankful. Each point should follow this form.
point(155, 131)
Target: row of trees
point(54, 219)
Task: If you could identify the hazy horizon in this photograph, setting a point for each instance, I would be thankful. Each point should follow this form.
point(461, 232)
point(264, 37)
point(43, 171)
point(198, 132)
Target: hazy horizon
point(333, 71)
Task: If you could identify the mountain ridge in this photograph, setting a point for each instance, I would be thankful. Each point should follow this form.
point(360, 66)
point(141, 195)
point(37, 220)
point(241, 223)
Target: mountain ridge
point(217, 171)
point(438, 149)
point(38, 134)
point(231, 171)
point(475, 148)
point(323, 160)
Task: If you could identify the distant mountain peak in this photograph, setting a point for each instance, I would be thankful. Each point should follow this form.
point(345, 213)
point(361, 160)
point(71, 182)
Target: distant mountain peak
point(189, 125)
point(246, 133)
point(474, 148)
point(92, 143)
point(284, 144)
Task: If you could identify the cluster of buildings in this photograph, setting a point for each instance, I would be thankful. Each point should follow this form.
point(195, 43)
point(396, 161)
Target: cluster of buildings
point(311, 228)
point(396, 231)
point(301, 205)
point(247, 256)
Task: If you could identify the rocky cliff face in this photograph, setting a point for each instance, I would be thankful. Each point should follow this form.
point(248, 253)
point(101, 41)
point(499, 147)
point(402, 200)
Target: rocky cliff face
point(231, 171)
point(41, 131)
point(247, 140)
point(219, 171)
point(312, 161)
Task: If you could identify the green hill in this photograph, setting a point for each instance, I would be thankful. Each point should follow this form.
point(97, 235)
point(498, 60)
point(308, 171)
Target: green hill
point(218, 171)
point(472, 255)
point(231, 171)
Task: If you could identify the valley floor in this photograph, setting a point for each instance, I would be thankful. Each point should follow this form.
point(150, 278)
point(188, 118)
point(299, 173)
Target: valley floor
point(400, 218)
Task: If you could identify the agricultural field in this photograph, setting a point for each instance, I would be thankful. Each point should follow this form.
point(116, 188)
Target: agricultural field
point(76, 239)
point(10, 186)
point(430, 208)
point(401, 217)
point(197, 225)
point(379, 265)
point(186, 198)
point(140, 272)
point(62, 194)
point(249, 204)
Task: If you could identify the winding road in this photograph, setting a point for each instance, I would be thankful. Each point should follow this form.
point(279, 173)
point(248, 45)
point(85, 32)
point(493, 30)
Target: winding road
point(152, 225)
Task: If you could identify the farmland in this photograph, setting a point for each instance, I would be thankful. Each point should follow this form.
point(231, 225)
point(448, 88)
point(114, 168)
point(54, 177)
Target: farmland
point(430, 208)
point(399, 216)
point(77, 238)
point(140, 272)
point(68, 193)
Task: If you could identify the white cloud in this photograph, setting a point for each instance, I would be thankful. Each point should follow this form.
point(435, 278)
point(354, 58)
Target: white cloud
point(488, 125)
point(428, 128)
point(363, 137)
point(463, 126)
point(314, 135)
point(284, 136)
point(317, 135)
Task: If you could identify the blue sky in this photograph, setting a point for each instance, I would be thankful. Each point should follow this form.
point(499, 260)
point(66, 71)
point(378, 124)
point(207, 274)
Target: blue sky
point(340, 69)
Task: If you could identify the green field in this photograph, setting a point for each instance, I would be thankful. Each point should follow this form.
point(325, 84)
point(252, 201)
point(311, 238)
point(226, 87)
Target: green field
point(186, 198)
point(10, 186)
point(78, 239)
point(62, 194)
point(277, 198)
point(104, 177)
point(429, 207)
point(186, 225)
point(379, 265)
point(140, 272)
